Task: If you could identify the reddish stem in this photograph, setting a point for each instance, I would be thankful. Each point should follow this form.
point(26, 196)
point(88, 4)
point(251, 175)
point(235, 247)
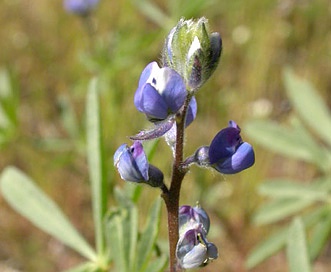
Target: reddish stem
point(171, 198)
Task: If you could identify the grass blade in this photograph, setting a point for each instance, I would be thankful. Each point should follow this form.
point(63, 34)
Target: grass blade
point(95, 158)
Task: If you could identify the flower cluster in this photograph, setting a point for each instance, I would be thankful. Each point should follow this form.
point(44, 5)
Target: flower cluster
point(193, 249)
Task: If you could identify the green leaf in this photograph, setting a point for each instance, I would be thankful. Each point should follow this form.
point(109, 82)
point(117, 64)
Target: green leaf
point(297, 253)
point(280, 188)
point(123, 233)
point(96, 164)
point(159, 265)
point(148, 237)
point(280, 139)
point(129, 228)
point(282, 207)
point(276, 241)
point(308, 104)
point(116, 238)
point(279, 209)
point(320, 154)
point(268, 247)
point(320, 236)
point(28, 200)
point(8, 106)
point(85, 267)
point(153, 13)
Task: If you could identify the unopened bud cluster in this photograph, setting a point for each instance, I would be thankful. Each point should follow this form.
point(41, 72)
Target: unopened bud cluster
point(192, 51)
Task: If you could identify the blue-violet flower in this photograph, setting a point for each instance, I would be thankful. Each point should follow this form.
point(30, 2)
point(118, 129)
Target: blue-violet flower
point(228, 153)
point(80, 7)
point(160, 93)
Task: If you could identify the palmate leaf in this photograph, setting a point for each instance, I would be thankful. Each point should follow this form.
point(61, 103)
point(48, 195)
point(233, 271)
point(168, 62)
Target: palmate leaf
point(268, 247)
point(297, 253)
point(283, 188)
point(285, 141)
point(28, 200)
point(293, 141)
point(277, 240)
point(289, 198)
point(308, 104)
point(280, 209)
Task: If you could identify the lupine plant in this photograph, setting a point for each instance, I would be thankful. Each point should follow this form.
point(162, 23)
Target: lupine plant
point(166, 95)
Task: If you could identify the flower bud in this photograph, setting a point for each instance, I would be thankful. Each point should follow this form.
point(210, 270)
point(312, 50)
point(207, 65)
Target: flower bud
point(192, 51)
point(193, 217)
point(132, 164)
point(201, 156)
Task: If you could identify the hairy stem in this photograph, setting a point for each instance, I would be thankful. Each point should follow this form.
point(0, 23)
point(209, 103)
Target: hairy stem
point(172, 197)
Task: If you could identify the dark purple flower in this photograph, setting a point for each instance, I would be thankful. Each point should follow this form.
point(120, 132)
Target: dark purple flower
point(80, 7)
point(161, 92)
point(131, 162)
point(228, 153)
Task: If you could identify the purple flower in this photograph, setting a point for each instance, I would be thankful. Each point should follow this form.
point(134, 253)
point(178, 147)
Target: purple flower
point(193, 217)
point(193, 250)
point(80, 7)
point(228, 153)
point(161, 92)
point(131, 162)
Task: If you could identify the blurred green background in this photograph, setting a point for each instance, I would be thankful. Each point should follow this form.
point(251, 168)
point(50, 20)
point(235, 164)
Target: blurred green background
point(50, 56)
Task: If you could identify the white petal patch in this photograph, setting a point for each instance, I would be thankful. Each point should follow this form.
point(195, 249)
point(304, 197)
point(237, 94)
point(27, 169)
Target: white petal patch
point(194, 47)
